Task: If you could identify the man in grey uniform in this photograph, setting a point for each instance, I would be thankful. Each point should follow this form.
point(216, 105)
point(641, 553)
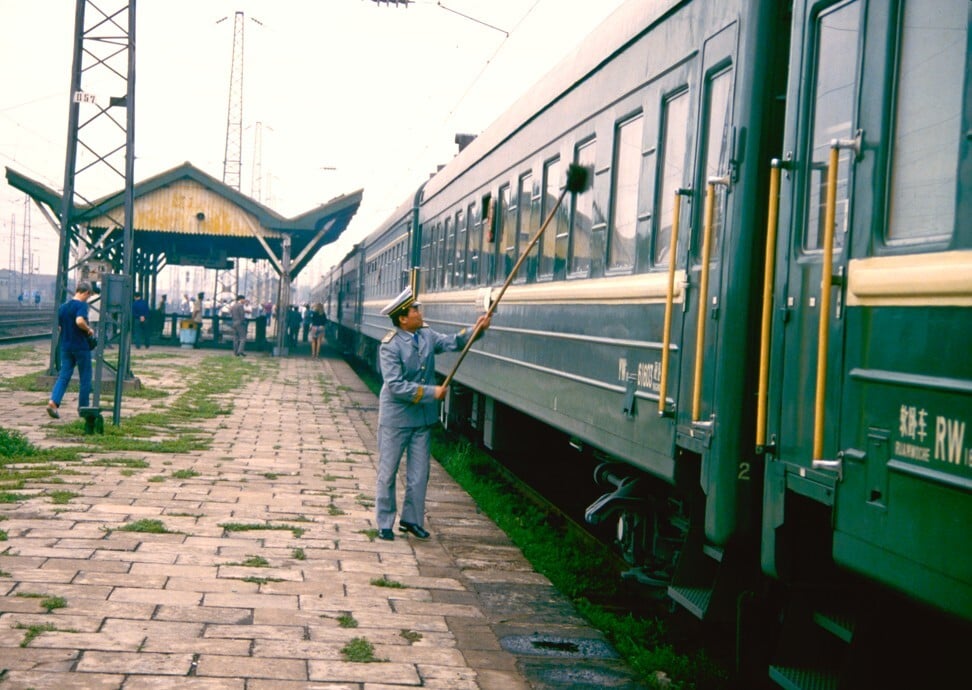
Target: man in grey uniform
point(408, 408)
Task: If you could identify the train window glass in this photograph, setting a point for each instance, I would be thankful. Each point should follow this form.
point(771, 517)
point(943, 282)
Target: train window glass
point(624, 205)
point(925, 144)
point(674, 138)
point(449, 249)
point(582, 218)
point(425, 256)
point(551, 240)
point(488, 268)
point(436, 278)
point(525, 226)
point(505, 234)
point(718, 125)
point(835, 85)
point(475, 243)
point(460, 249)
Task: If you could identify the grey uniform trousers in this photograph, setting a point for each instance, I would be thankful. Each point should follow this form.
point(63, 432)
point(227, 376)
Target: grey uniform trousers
point(392, 443)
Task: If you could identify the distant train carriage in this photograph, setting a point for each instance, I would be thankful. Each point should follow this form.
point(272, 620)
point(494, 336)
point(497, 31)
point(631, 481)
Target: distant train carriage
point(770, 359)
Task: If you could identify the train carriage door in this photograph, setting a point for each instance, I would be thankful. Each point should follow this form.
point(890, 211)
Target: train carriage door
point(818, 200)
point(700, 339)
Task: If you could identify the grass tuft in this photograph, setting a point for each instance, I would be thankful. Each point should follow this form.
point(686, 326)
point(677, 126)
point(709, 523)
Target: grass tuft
point(61, 497)
point(346, 620)
point(148, 525)
point(359, 650)
point(250, 527)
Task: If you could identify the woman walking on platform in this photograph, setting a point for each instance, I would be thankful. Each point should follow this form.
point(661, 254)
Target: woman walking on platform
point(318, 320)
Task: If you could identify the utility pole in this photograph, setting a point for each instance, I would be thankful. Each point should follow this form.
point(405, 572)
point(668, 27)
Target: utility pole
point(102, 82)
point(27, 252)
point(233, 151)
point(232, 156)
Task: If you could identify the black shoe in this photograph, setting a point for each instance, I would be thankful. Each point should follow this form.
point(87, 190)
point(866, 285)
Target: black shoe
point(386, 534)
point(415, 530)
point(54, 414)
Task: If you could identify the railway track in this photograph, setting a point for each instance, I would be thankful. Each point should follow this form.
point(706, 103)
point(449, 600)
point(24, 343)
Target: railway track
point(24, 323)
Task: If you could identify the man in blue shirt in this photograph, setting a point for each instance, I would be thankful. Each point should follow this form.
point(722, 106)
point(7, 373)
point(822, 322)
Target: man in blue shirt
point(140, 321)
point(408, 408)
point(72, 320)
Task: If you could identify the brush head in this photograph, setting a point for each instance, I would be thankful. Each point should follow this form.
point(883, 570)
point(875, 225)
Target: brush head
point(578, 178)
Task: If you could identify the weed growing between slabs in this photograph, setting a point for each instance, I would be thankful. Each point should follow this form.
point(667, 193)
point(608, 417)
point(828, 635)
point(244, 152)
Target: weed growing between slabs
point(172, 428)
point(359, 650)
point(22, 462)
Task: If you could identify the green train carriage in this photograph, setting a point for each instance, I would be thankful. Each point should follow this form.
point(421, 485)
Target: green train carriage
point(866, 400)
point(788, 454)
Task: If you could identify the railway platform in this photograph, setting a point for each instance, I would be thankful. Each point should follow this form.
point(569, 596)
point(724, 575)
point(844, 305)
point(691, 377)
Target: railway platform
point(262, 571)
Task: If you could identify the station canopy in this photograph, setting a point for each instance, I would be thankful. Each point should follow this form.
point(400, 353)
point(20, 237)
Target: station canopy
point(186, 217)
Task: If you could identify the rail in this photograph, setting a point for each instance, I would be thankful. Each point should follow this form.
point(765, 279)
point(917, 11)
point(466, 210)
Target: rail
point(24, 322)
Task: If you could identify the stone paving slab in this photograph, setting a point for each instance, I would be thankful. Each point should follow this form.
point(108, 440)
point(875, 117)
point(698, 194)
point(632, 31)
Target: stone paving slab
point(295, 455)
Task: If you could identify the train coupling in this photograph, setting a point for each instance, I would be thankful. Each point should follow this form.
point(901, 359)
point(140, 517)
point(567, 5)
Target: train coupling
point(625, 495)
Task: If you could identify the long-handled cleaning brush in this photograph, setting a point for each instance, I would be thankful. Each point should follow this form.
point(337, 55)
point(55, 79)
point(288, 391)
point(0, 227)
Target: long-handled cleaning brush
point(578, 180)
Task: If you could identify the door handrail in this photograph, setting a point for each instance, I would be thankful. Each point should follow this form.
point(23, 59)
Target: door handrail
point(826, 281)
point(669, 300)
point(704, 292)
point(769, 275)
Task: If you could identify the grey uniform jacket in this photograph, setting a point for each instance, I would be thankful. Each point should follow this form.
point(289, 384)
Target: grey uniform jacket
point(407, 396)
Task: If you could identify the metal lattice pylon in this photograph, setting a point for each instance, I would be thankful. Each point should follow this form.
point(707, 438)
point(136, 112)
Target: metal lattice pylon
point(100, 149)
point(233, 155)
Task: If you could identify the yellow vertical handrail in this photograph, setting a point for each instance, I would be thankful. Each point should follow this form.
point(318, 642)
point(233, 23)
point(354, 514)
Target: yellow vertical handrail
point(669, 299)
point(769, 275)
point(823, 331)
point(704, 294)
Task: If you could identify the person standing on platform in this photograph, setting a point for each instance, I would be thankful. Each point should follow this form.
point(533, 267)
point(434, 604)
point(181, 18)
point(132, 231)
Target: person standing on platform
point(408, 408)
point(159, 326)
point(238, 321)
point(74, 348)
point(140, 321)
point(197, 318)
point(305, 321)
point(318, 321)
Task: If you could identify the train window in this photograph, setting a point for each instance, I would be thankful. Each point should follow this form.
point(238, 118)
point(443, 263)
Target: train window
point(488, 268)
point(674, 138)
point(624, 205)
point(553, 255)
point(475, 243)
point(718, 125)
point(449, 251)
point(462, 233)
point(436, 278)
point(582, 218)
point(925, 144)
point(505, 233)
point(835, 85)
point(529, 212)
point(424, 253)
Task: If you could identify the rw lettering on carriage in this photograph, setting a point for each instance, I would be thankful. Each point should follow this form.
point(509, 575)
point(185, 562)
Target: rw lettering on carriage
point(946, 437)
point(647, 374)
point(949, 438)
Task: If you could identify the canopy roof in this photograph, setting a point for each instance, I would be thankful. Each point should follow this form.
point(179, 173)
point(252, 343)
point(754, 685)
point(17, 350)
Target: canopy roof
point(184, 216)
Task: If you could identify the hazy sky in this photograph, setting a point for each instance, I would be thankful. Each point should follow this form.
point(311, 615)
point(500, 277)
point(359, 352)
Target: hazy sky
point(375, 92)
